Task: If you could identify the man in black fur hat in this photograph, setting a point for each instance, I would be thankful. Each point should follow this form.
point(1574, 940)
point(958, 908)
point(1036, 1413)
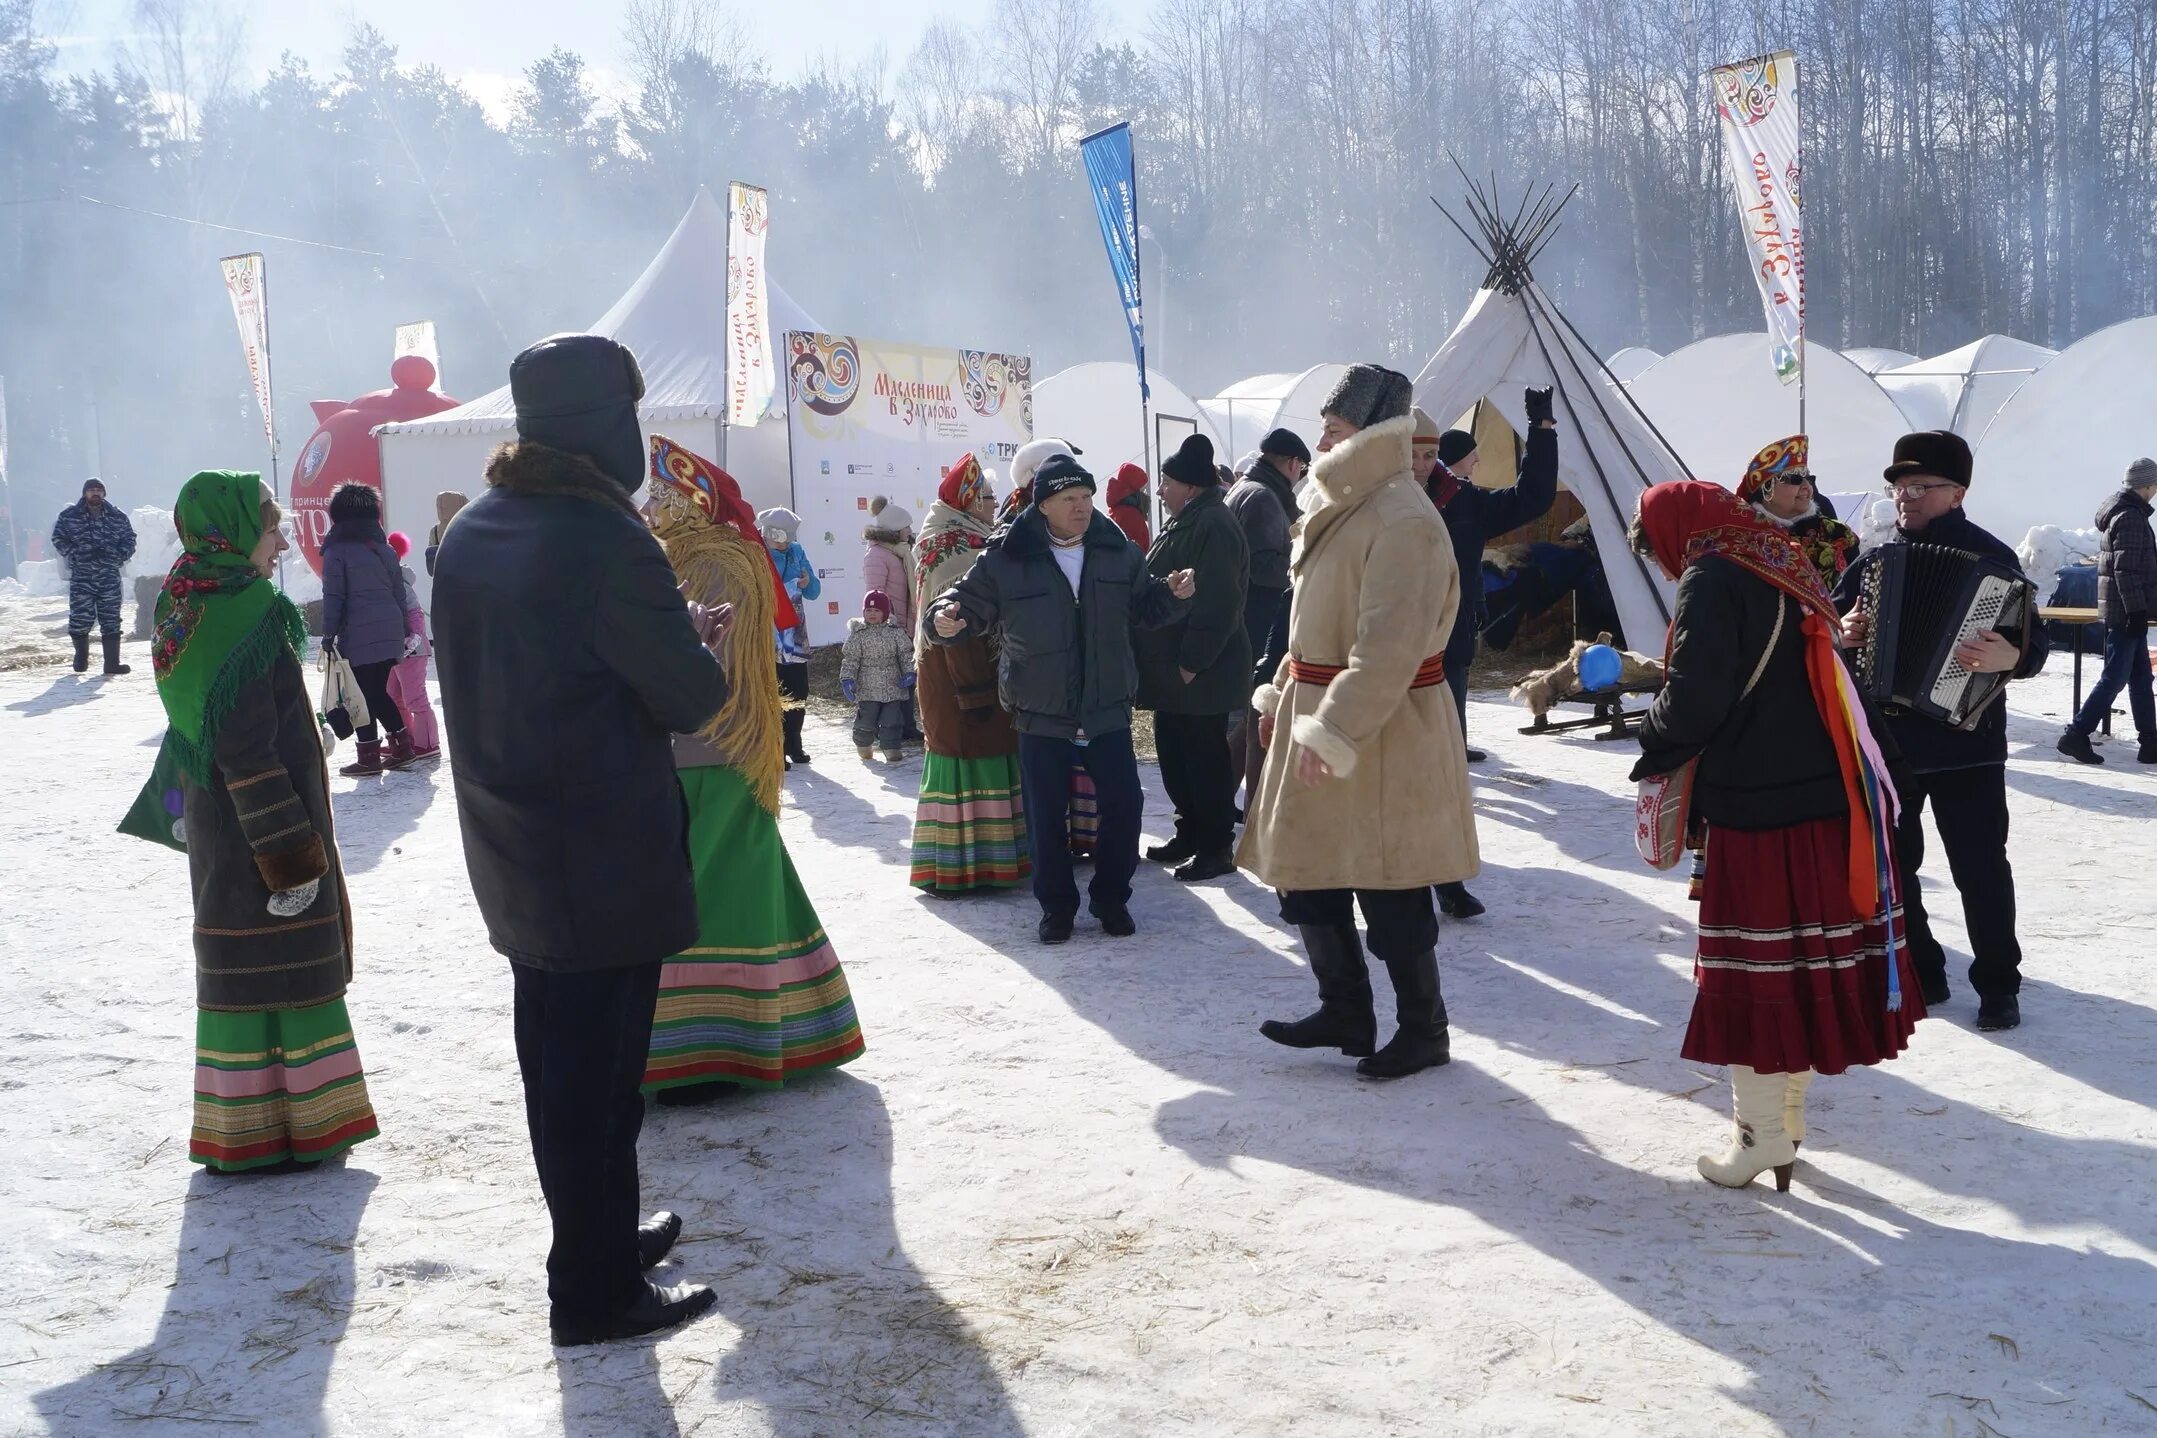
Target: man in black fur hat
point(1961, 773)
point(567, 658)
point(1195, 674)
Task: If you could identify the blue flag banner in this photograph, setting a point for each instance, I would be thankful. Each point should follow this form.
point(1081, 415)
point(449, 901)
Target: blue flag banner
point(1113, 176)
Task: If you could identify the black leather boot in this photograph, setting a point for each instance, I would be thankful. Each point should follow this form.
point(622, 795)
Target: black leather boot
point(82, 651)
point(1422, 1041)
point(1455, 902)
point(791, 721)
point(1345, 1019)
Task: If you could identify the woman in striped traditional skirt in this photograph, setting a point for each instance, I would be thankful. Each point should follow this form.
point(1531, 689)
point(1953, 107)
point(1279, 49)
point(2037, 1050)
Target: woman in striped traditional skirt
point(1801, 967)
point(969, 824)
point(760, 999)
point(278, 1082)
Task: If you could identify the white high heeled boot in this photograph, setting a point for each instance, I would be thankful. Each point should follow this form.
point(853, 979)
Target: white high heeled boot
point(1762, 1143)
point(1794, 1086)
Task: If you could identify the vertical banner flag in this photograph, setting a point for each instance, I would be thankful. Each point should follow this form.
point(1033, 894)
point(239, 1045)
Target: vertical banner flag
point(750, 379)
point(244, 281)
point(1112, 174)
point(1758, 101)
point(417, 338)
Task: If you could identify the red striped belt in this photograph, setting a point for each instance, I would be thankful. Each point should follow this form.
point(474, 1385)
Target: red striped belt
point(1305, 672)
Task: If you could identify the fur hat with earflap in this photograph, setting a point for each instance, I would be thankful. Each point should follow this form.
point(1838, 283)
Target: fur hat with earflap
point(1029, 457)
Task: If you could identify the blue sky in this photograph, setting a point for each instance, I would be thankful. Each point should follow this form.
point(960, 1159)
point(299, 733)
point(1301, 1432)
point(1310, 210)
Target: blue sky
point(488, 43)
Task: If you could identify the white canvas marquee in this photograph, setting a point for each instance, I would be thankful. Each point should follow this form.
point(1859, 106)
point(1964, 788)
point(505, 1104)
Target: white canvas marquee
point(1096, 407)
point(1249, 410)
point(2064, 440)
point(1963, 389)
point(674, 320)
point(1874, 358)
point(1631, 362)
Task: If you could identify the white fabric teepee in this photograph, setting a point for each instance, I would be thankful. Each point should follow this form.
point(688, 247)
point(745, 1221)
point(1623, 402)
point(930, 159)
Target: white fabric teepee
point(1513, 338)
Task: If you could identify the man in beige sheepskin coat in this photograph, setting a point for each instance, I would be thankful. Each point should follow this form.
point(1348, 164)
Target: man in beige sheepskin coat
point(1364, 800)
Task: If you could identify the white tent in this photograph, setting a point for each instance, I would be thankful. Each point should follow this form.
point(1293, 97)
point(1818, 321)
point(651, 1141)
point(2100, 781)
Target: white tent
point(674, 320)
point(1512, 338)
point(2064, 440)
point(1874, 358)
point(1246, 412)
point(1719, 403)
point(1096, 407)
point(1627, 364)
point(1963, 389)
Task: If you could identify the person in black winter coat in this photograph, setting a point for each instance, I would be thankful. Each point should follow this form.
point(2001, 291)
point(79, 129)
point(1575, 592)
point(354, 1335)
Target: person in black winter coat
point(97, 541)
point(1061, 589)
point(1474, 517)
point(2126, 596)
point(1196, 674)
point(1962, 774)
point(1264, 500)
point(567, 658)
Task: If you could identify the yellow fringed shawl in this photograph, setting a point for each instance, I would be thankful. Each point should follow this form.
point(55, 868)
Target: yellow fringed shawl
point(717, 566)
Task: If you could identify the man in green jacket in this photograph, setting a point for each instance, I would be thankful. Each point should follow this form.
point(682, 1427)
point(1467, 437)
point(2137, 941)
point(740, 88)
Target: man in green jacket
point(1195, 675)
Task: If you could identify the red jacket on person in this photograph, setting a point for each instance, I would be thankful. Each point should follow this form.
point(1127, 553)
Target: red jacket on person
point(1128, 505)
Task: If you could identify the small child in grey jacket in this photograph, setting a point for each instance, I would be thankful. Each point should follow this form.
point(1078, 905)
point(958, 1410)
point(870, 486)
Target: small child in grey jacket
point(876, 671)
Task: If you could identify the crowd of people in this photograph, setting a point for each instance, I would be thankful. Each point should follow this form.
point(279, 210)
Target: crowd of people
point(622, 653)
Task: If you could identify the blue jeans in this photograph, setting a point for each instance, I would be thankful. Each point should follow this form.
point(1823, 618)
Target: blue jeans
point(1045, 766)
point(2127, 666)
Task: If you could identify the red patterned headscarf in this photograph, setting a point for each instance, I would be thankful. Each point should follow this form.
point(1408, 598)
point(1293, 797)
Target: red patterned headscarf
point(716, 496)
point(963, 483)
point(1783, 459)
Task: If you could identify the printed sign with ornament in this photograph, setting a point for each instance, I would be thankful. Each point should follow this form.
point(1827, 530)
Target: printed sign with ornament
point(867, 418)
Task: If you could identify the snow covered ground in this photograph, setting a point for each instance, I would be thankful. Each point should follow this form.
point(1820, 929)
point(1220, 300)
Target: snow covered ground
point(1071, 1191)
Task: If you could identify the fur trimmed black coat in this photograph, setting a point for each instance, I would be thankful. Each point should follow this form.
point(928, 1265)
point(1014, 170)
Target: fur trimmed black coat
point(567, 659)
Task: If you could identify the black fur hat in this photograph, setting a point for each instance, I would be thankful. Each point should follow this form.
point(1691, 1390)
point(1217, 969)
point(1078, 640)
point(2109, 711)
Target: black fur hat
point(579, 393)
point(1937, 452)
point(1370, 394)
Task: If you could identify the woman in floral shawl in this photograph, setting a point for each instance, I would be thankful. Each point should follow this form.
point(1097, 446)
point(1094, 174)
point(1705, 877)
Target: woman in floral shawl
point(969, 825)
point(1801, 965)
point(1779, 485)
point(278, 1082)
point(761, 998)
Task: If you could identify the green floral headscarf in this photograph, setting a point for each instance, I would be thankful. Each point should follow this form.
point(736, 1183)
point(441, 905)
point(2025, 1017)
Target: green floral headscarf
point(219, 623)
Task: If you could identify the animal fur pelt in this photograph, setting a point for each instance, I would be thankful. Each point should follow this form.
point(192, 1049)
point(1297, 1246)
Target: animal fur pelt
point(1539, 691)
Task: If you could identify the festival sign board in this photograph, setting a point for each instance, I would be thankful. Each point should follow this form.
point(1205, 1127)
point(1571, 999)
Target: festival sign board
point(1758, 102)
point(868, 418)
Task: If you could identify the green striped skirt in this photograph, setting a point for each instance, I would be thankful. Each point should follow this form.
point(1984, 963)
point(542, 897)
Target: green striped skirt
point(280, 1085)
point(970, 826)
point(761, 998)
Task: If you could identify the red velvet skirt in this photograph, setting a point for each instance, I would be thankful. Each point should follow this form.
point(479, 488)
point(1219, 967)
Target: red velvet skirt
point(1789, 975)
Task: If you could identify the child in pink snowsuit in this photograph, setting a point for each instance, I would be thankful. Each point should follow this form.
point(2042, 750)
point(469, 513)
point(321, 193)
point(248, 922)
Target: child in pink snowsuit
point(408, 680)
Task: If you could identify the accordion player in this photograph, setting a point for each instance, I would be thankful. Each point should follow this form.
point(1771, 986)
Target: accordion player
point(1926, 602)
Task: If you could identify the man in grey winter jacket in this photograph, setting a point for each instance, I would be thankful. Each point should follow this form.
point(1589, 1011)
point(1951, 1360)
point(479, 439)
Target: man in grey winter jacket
point(97, 541)
point(1062, 589)
point(1264, 502)
point(2126, 597)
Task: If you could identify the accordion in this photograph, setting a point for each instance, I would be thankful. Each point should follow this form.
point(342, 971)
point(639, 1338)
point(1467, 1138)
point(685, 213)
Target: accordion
point(1925, 601)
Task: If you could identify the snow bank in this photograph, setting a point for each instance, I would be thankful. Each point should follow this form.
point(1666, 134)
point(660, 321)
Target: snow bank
point(2048, 549)
point(43, 578)
point(157, 543)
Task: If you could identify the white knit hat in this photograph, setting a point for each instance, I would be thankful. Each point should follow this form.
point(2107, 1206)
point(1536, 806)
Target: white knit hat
point(780, 518)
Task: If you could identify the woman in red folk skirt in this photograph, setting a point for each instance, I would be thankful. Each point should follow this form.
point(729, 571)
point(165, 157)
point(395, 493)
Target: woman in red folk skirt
point(1801, 967)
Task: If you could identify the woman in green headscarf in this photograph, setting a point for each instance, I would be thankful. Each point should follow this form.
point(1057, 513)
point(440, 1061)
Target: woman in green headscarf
point(278, 1083)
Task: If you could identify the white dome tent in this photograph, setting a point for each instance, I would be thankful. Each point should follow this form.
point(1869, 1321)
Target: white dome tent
point(1874, 358)
point(1963, 389)
point(1250, 410)
point(2064, 440)
point(1631, 362)
point(1719, 404)
point(1096, 407)
point(674, 320)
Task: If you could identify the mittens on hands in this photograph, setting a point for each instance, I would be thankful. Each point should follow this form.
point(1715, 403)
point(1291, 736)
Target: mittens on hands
point(294, 902)
point(1538, 403)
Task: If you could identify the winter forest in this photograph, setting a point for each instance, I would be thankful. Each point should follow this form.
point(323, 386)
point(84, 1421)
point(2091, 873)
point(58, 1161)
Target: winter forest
point(1973, 166)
